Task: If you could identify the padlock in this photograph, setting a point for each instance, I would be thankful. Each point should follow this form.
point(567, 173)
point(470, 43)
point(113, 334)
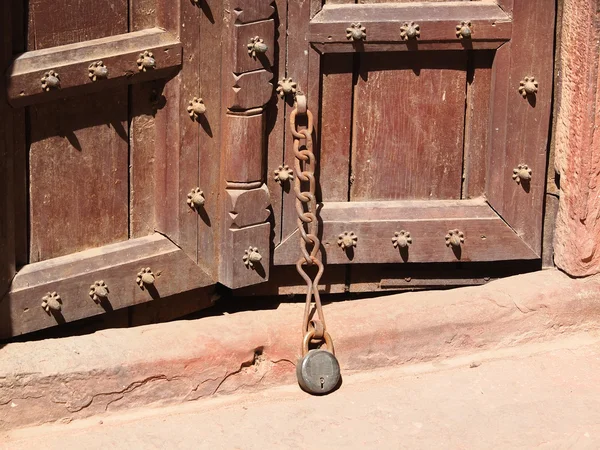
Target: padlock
point(318, 370)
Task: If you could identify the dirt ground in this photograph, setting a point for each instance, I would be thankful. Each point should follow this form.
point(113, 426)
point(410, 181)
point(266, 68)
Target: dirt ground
point(544, 395)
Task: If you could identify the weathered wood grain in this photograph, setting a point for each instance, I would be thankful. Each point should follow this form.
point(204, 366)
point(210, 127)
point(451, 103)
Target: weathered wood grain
point(577, 137)
point(437, 20)
point(117, 265)
point(520, 125)
point(78, 174)
point(7, 157)
point(210, 86)
point(477, 124)
point(487, 237)
point(78, 152)
point(408, 126)
point(119, 54)
point(243, 147)
point(336, 123)
point(60, 22)
point(276, 121)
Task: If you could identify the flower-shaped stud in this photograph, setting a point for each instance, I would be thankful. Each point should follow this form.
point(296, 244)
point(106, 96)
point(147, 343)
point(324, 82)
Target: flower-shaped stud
point(50, 81)
point(463, 30)
point(528, 86)
point(401, 239)
point(522, 173)
point(410, 31)
point(283, 174)
point(51, 302)
point(347, 240)
point(196, 199)
point(286, 86)
point(99, 291)
point(97, 71)
point(146, 61)
point(145, 277)
point(356, 32)
point(454, 238)
point(257, 46)
point(196, 108)
point(251, 257)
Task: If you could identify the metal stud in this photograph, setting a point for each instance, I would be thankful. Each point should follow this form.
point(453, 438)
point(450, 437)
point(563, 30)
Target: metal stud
point(98, 71)
point(522, 173)
point(99, 291)
point(51, 302)
point(146, 61)
point(196, 199)
point(257, 46)
point(454, 238)
point(283, 174)
point(347, 240)
point(196, 108)
point(401, 239)
point(463, 30)
point(286, 86)
point(145, 277)
point(251, 257)
point(410, 31)
point(356, 32)
point(528, 86)
point(50, 81)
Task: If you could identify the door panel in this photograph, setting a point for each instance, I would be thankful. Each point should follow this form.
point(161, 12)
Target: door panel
point(409, 122)
point(109, 165)
point(418, 121)
point(78, 174)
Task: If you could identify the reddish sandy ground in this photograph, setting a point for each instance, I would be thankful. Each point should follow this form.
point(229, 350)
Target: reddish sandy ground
point(545, 395)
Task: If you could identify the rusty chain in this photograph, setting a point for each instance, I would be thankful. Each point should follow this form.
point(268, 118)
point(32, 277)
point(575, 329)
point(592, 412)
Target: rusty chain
point(308, 225)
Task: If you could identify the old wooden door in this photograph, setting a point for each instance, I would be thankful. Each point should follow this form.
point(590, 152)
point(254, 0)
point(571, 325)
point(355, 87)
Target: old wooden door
point(101, 157)
point(432, 136)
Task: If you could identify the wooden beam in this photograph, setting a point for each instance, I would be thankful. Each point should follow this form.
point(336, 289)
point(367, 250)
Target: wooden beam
point(487, 237)
point(118, 53)
point(491, 26)
point(71, 277)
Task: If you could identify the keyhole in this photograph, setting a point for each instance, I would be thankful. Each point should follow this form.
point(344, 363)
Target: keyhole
point(322, 382)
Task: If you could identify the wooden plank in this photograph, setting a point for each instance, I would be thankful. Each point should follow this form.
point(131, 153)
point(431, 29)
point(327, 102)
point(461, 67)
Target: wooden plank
point(408, 277)
point(520, 125)
point(247, 11)
point(7, 197)
point(336, 123)
point(487, 237)
point(437, 21)
point(242, 34)
point(61, 22)
point(146, 99)
point(209, 83)
point(276, 122)
point(119, 54)
point(285, 280)
point(177, 139)
point(408, 126)
point(297, 64)
point(477, 124)
point(343, 47)
point(78, 174)
point(117, 265)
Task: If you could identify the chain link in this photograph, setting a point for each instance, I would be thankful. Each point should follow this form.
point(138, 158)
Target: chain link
point(306, 207)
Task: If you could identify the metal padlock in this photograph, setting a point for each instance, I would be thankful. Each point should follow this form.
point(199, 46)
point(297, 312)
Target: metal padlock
point(318, 370)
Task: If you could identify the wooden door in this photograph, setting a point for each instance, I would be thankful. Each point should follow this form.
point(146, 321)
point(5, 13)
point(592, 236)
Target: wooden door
point(433, 122)
point(102, 156)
